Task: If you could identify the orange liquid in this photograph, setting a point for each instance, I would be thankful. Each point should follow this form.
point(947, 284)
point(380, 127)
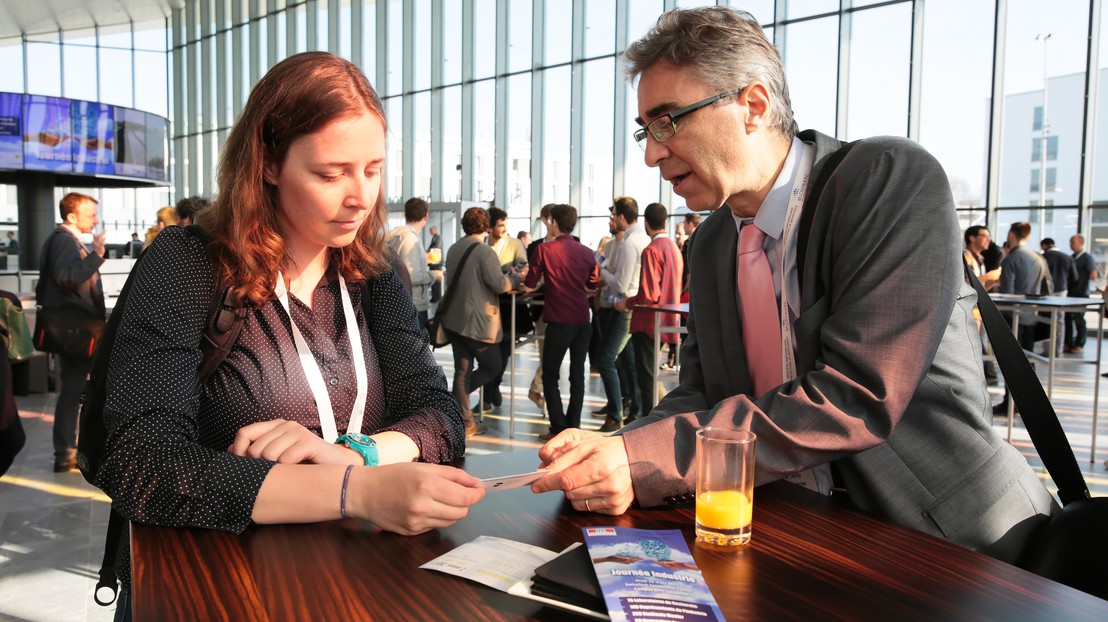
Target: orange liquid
point(723, 509)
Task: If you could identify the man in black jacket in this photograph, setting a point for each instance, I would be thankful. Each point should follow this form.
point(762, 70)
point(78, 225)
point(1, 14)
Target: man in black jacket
point(71, 279)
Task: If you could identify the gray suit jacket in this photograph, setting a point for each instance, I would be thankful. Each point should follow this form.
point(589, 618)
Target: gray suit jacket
point(890, 388)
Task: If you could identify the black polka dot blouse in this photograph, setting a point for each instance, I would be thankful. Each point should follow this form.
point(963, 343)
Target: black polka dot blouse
point(166, 461)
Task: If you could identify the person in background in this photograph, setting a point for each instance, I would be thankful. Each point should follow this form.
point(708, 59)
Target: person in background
point(13, 244)
point(512, 256)
point(620, 278)
point(70, 278)
point(534, 392)
point(1062, 271)
point(659, 284)
point(166, 216)
point(568, 272)
point(524, 238)
point(884, 399)
point(297, 234)
point(473, 317)
point(405, 241)
point(135, 246)
point(978, 243)
point(188, 207)
point(1085, 265)
point(435, 243)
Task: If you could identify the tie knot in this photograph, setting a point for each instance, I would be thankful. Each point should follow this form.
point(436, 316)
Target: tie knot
point(751, 239)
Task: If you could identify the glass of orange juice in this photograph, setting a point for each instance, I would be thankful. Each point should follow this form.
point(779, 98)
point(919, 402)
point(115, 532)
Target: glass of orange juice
point(724, 486)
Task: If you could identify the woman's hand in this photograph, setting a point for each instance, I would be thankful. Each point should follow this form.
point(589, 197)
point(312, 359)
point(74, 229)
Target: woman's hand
point(289, 442)
point(411, 498)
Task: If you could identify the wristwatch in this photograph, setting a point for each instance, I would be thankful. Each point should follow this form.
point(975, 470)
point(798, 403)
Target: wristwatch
point(361, 443)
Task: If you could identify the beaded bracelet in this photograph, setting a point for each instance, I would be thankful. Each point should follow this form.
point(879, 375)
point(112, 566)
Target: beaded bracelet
point(342, 499)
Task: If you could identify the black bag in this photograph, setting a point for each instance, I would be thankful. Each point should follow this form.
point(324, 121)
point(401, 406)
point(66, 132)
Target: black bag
point(67, 331)
point(220, 333)
point(1071, 546)
point(436, 334)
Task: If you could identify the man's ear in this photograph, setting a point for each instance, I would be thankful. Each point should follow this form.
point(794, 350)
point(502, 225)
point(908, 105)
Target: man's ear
point(270, 172)
point(757, 100)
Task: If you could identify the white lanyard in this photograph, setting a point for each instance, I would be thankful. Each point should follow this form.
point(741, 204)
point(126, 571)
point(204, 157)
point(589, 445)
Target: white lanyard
point(311, 368)
point(796, 201)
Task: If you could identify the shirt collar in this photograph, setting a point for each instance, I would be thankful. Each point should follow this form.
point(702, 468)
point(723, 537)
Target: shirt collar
point(771, 213)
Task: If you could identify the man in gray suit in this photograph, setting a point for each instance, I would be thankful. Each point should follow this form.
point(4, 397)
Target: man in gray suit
point(881, 390)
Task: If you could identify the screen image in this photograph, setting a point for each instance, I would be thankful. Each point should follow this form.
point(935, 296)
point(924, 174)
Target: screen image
point(47, 134)
point(93, 138)
point(11, 145)
point(156, 148)
point(130, 142)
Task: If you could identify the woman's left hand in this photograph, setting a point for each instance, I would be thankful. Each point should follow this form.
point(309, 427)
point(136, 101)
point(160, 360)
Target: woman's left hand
point(288, 442)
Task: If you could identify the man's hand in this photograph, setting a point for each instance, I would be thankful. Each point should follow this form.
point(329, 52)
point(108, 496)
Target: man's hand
point(620, 305)
point(437, 274)
point(589, 467)
point(98, 243)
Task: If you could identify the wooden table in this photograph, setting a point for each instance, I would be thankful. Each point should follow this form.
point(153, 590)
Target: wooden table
point(811, 558)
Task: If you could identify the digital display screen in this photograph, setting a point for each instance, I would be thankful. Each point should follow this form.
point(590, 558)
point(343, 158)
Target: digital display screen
point(11, 144)
point(62, 135)
point(156, 147)
point(47, 134)
point(93, 138)
point(130, 142)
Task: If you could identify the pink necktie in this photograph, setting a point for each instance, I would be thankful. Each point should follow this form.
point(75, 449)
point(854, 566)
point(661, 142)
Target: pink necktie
point(760, 320)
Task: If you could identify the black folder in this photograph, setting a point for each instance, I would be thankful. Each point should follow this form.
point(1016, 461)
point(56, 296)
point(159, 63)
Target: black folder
point(570, 578)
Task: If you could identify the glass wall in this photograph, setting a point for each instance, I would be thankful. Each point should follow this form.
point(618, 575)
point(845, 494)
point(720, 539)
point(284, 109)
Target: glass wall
point(122, 64)
point(522, 102)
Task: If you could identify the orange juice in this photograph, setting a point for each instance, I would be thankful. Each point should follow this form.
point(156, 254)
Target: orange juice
point(723, 517)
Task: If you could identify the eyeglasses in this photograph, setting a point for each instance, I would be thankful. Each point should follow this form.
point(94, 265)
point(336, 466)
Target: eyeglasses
point(664, 127)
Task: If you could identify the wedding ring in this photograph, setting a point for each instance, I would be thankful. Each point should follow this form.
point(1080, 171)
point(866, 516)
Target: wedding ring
point(587, 508)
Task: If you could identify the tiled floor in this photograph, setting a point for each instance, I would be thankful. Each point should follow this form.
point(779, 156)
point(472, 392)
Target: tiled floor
point(52, 525)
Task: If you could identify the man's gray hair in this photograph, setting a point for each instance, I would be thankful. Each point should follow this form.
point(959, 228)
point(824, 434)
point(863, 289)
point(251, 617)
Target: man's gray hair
point(720, 46)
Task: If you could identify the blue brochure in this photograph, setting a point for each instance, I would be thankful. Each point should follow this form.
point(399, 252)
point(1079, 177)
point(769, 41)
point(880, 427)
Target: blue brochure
point(649, 574)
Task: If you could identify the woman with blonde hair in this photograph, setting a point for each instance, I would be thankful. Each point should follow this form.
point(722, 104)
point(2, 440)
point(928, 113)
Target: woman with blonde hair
point(326, 407)
point(165, 217)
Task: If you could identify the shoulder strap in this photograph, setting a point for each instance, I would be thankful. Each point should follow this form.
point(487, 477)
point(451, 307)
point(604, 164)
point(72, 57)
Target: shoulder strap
point(811, 199)
point(446, 298)
point(1034, 407)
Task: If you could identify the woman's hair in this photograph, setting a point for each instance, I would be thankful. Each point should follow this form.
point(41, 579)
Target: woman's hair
point(475, 220)
point(298, 96)
point(165, 217)
point(722, 47)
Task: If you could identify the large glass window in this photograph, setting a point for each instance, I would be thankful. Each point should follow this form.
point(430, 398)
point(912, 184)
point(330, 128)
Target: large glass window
point(519, 35)
point(451, 144)
point(11, 57)
point(811, 66)
point(641, 17)
point(80, 72)
point(44, 76)
point(484, 38)
point(559, 33)
point(556, 118)
point(639, 180)
point(484, 143)
point(596, 182)
point(422, 48)
point(394, 83)
point(600, 27)
point(1047, 71)
point(151, 69)
point(116, 84)
point(451, 42)
point(880, 60)
point(518, 201)
point(958, 141)
point(394, 112)
point(795, 9)
point(422, 121)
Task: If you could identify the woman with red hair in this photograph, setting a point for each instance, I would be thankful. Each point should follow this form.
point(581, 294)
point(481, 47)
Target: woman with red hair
point(325, 407)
